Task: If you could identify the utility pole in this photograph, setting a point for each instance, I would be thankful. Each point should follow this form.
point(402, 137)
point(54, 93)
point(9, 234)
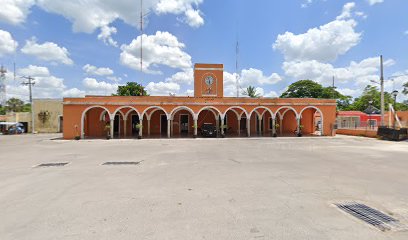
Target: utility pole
point(382, 90)
point(333, 88)
point(30, 82)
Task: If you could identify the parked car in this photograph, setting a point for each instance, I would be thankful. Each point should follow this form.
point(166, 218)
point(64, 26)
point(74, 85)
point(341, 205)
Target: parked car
point(17, 129)
point(208, 130)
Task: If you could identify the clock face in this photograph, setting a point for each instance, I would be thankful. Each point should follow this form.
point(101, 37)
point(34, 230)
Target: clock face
point(209, 80)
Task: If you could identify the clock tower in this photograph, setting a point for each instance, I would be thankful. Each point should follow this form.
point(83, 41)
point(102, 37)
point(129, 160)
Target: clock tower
point(208, 80)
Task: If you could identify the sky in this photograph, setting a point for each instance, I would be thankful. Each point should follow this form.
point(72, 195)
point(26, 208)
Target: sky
point(90, 47)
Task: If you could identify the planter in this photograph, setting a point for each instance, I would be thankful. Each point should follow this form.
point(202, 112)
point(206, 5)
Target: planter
point(274, 135)
point(77, 137)
point(299, 134)
point(194, 136)
point(139, 137)
point(108, 137)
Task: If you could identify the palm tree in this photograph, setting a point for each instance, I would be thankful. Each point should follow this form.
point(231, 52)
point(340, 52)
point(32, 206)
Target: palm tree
point(250, 91)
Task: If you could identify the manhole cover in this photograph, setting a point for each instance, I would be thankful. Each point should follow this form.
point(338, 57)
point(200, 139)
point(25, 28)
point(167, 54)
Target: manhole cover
point(61, 164)
point(371, 216)
point(120, 163)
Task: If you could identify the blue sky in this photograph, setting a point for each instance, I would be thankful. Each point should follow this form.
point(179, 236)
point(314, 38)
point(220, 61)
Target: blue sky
point(76, 47)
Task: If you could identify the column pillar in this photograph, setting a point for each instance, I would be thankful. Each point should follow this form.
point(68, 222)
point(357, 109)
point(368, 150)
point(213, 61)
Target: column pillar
point(260, 126)
point(168, 127)
point(112, 125)
point(172, 127)
point(195, 126)
point(239, 126)
point(148, 127)
point(281, 126)
point(124, 127)
point(141, 129)
point(222, 125)
point(273, 126)
point(298, 124)
point(217, 124)
point(249, 126)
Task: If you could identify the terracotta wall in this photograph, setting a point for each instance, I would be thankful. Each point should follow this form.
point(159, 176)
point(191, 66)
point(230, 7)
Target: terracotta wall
point(74, 107)
point(357, 132)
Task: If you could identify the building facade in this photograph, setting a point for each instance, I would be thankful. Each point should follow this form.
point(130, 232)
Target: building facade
point(48, 115)
point(171, 116)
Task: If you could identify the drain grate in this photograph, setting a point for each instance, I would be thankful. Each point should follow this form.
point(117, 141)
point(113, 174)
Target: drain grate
point(370, 216)
point(121, 163)
point(60, 164)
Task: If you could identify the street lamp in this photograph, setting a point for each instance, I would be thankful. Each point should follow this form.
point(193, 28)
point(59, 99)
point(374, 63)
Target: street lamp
point(394, 94)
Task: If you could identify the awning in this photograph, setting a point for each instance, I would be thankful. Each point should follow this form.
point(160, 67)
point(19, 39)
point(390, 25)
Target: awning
point(11, 123)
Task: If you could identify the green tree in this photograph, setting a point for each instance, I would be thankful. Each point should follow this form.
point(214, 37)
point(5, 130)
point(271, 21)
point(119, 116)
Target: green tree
point(14, 105)
point(371, 93)
point(250, 91)
point(405, 91)
point(402, 106)
point(303, 89)
point(311, 89)
point(2, 110)
point(131, 89)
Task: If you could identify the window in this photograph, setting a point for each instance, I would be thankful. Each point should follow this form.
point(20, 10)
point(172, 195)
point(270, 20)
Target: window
point(372, 123)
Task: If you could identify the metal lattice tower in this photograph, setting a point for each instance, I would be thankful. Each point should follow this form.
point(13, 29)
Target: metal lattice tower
point(3, 99)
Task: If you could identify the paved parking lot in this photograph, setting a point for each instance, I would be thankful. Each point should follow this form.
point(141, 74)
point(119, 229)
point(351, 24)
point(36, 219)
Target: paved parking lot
point(281, 188)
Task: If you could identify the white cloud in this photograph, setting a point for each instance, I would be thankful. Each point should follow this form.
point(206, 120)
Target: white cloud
point(88, 16)
point(160, 49)
point(306, 4)
point(272, 94)
point(47, 51)
point(46, 85)
point(251, 76)
point(324, 43)
point(95, 87)
point(162, 88)
point(15, 11)
point(7, 43)
point(184, 77)
point(347, 11)
point(73, 92)
point(359, 73)
point(34, 71)
point(92, 70)
point(189, 92)
point(355, 92)
point(372, 2)
point(191, 16)
point(406, 32)
point(106, 35)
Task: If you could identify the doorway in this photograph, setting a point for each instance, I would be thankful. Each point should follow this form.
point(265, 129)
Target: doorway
point(116, 126)
point(135, 122)
point(163, 124)
point(184, 124)
point(60, 124)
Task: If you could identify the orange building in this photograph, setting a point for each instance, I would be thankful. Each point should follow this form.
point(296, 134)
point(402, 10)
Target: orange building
point(171, 116)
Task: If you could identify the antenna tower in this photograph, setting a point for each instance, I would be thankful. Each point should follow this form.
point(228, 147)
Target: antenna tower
point(3, 72)
point(236, 68)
